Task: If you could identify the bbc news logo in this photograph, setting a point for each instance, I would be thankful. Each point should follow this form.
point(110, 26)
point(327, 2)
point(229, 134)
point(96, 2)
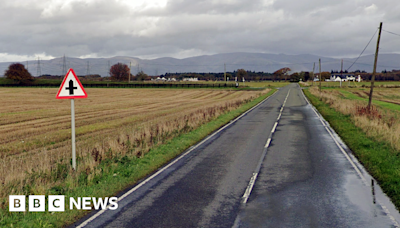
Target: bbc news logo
point(56, 203)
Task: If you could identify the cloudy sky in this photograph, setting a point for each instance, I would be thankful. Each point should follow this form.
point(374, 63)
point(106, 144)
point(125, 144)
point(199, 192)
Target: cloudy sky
point(177, 28)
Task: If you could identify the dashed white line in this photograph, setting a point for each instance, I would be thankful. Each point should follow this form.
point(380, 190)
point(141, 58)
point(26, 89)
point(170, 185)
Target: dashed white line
point(268, 142)
point(274, 128)
point(249, 188)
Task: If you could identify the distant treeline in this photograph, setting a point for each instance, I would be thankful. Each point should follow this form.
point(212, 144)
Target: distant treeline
point(393, 75)
point(250, 76)
point(131, 85)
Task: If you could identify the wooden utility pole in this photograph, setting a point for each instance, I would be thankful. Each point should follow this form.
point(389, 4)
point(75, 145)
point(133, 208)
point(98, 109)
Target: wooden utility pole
point(320, 75)
point(225, 72)
point(375, 63)
point(313, 77)
point(341, 74)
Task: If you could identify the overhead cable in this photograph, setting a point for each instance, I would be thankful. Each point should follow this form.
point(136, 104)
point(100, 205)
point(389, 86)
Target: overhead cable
point(363, 50)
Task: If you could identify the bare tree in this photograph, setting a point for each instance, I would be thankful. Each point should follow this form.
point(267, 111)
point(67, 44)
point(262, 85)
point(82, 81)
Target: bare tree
point(119, 72)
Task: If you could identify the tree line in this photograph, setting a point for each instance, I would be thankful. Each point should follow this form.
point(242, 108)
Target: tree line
point(121, 72)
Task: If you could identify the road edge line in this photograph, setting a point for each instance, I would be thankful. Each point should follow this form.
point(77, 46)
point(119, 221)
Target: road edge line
point(331, 132)
point(329, 129)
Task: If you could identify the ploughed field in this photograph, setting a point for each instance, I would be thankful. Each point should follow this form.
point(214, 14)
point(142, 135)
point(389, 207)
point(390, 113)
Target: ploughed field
point(35, 128)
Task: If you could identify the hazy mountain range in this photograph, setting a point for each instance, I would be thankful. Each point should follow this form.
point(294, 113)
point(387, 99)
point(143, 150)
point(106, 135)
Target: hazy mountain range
point(208, 63)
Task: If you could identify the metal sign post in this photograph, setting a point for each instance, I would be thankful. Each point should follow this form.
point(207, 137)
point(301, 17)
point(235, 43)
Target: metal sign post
point(71, 88)
point(73, 133)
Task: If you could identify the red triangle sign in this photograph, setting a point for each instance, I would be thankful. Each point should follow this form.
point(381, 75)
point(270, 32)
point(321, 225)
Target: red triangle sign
point(71, 87)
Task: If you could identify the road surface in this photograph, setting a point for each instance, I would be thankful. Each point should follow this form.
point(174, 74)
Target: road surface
point(279, 165)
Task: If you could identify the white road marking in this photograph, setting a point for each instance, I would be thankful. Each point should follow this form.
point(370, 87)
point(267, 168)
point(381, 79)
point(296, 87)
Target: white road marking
point(337, 143)
point(274, 128)
point(396, 224)
point(268, 142)
point(83, 224)
point(249, 188)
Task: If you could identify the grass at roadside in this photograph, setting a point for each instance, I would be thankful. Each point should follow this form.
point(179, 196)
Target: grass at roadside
point(379, 158)
point(118, 173)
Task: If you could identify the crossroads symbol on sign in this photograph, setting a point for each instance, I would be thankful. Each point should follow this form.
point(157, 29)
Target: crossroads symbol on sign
point(71, 87)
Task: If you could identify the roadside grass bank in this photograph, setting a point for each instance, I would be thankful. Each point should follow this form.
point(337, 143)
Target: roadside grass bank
point(115, 172)
point(378, 156)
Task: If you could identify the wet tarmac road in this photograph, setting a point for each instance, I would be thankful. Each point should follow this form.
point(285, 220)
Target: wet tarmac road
point(277, 166)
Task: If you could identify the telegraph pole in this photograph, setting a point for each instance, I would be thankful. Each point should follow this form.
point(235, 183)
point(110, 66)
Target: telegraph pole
point(313, 77)
point(341, 74)
point(225, 72)
point(375, 63)
point(320, 76)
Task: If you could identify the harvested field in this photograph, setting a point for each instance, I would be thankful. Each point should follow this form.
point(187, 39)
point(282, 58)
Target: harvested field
point(35, 127)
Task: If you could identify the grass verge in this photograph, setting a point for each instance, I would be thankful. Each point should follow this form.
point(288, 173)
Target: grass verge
point(381, 161)
point(118, 173)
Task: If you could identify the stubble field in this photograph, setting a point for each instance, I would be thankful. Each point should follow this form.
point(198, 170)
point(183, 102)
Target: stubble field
point(35, 144)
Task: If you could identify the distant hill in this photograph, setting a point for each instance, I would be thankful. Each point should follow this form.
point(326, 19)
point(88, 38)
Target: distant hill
point(210, 63)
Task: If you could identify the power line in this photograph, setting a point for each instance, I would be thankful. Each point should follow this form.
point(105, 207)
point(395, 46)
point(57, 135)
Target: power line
point(371, 64)
point(391, 32)
point(88, 69)
point(38, 69)
point(363, 50)
point(64, 67)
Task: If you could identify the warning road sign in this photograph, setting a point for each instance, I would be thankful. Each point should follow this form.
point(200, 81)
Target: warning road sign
point(71, 87)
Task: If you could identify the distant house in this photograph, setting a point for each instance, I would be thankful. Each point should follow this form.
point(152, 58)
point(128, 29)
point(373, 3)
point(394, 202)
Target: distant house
point(191, 79)
point(337, 77)
point(159, 79)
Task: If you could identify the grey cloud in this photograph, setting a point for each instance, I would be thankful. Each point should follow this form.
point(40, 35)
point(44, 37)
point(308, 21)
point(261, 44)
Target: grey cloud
point(108, 28)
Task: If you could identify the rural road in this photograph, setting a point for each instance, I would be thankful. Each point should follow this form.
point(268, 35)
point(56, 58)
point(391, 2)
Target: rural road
point(279, 165)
